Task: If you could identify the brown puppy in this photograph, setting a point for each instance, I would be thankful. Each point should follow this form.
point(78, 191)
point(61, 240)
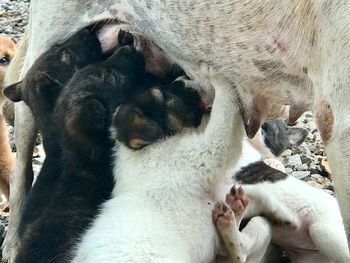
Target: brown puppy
point(7, 51)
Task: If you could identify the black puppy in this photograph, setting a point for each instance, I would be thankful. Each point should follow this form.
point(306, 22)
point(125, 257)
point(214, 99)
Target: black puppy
point(39, 90)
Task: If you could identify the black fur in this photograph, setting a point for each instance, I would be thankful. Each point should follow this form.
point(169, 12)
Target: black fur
point(39, 90)
point(259, 172)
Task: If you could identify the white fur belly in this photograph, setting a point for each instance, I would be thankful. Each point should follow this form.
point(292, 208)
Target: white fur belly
point(131, 228)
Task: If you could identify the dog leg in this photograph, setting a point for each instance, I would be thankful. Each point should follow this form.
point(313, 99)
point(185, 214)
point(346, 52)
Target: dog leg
point(22, 177)
point(262, 202)
point(249, 245)
point(330, 240)
point(225, 222)
point(219, 146)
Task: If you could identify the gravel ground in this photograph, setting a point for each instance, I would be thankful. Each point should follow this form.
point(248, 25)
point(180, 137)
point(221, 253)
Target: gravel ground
point(306, 162)
point(13, 17)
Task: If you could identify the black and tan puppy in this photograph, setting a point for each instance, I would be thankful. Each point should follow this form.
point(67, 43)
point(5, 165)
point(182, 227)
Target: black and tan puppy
point(157, 112)
point(39, 90)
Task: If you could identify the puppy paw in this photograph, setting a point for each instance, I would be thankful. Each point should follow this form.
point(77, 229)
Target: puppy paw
point(238, 201)
point(223, 216)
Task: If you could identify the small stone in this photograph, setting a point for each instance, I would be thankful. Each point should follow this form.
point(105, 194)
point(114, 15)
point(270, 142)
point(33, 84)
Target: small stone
point(289, 171)
point(317, 177)
point(303, 167)
point(301, 174)
point(305, 159)
point(294, 160)
point(287, 153)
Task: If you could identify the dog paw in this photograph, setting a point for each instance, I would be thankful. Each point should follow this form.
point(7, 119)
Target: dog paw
point(223, 216)
point(275, 164)
point(238, 201)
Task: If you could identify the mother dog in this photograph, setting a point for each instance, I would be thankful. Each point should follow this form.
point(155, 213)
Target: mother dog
point(275, 52)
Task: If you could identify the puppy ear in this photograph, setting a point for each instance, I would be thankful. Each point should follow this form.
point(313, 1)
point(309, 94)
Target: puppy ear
point(14, 92)
point(296, 136)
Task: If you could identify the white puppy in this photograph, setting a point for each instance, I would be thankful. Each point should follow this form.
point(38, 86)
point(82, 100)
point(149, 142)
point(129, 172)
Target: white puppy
point(161, 208)
point(317, 231)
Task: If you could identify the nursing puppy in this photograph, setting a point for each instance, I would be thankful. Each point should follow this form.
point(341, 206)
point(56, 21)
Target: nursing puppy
point(39, 90)
point(7, 52)
point(317, 236)
point(160, 208)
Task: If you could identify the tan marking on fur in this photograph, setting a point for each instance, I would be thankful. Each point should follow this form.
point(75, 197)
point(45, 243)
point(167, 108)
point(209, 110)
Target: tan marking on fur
point(137, 143)
point(175, 123)
point(138, 121)
point(324, 120)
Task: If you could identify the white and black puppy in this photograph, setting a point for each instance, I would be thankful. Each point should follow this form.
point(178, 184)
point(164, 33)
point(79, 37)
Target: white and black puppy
point(161, 205)
point(316, 232)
